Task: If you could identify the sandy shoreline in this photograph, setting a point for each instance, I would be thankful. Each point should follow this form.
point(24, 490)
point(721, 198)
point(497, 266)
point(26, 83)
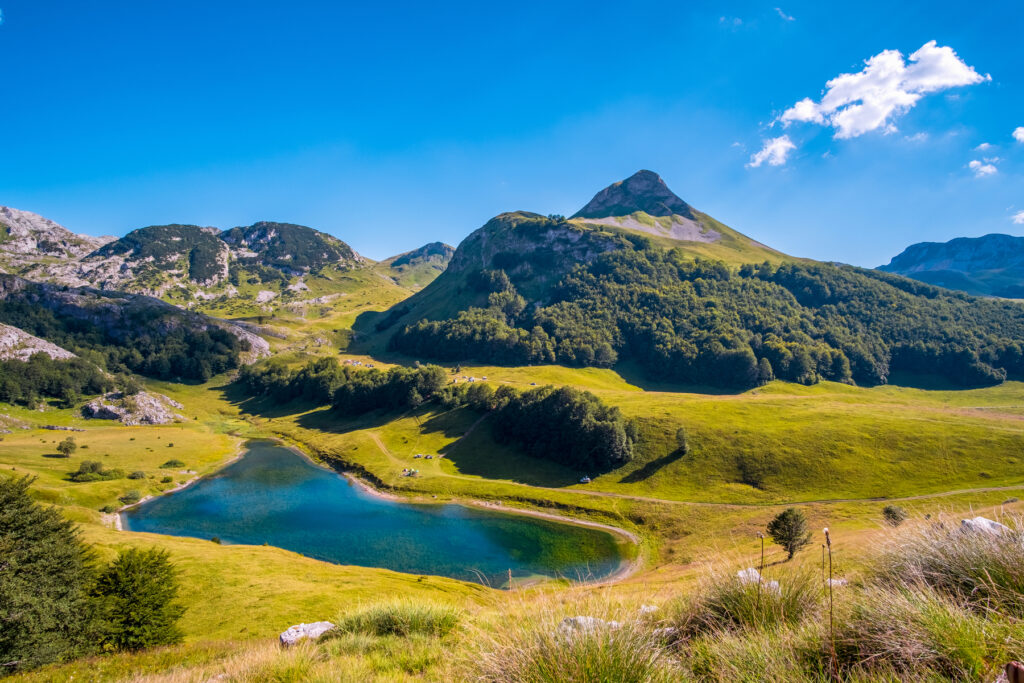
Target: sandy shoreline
point(626, 568)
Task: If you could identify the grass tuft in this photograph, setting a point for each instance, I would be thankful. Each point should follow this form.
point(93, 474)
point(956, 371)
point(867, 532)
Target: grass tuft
point(400, 618)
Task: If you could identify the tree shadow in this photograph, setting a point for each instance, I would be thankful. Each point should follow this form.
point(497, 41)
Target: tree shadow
point(261, 406)
point(635, 375)
point(57, 456)
point(914, 380)
point(652, 467)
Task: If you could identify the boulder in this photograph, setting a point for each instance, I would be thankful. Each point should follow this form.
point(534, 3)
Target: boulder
point(983, 525)
point(143, 408)
point(303, 631)
point(751, 575)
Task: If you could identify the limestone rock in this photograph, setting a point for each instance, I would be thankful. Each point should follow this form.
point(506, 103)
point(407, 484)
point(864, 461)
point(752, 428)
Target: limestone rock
point(303, 631)
point(143, 408)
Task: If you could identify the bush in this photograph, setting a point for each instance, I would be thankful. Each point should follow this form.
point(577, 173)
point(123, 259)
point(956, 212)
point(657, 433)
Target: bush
point(137, 474)
point(131, 497)
point(136, 594)
point(727, 603)
point(401, 618)
point(789, 529)
point(894, 515)
point(981, 568)
point(93, 470)
point(109, 509)
point(172, 464)
point(166, 480)
point(45, 571)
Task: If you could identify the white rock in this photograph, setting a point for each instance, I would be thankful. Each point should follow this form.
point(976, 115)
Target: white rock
point(17, 344)
point(573, 625)
point(647, 609)
point(983, 525)
point(748, 575)
point(836, 582)
point(303, 631)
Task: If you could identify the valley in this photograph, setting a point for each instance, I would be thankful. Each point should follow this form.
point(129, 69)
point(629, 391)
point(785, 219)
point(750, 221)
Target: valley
point(745, 381)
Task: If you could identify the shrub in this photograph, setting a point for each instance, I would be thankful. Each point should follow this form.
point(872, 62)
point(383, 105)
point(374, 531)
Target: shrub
point(130, 497)
point(109, 509)
point(727, 603)
point(401, 618)
point(93, 470)
point(136, 593)
point(789, 529)
point(45, 571)
point(172, 464)
point(894, 515)
point(982, 568)
point(137, 474)
point(166, 480)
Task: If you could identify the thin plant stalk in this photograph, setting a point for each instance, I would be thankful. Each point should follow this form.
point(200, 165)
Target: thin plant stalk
point(831, 626)
point(760, 571)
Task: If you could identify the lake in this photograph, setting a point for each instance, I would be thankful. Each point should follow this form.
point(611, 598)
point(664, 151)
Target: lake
point(275, 496)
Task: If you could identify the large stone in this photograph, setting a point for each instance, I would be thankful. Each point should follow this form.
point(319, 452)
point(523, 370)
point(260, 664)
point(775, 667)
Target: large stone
point(983, 525)
point(303, 631)
point(583, 624)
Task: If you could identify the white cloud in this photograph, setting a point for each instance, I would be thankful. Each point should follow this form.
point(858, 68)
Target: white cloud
point(1018, 218)
point(774, 152)
point(982, 147)
point(982, 169)
point(1018, 134)
point(917, 137)
point(886, 88)
point(785, 16)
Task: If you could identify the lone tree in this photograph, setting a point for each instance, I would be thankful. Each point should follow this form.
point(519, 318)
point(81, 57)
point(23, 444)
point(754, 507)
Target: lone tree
point(45, 573)
point(67, 447)
point(137, 594)
point(789, 530)
point(682, 441)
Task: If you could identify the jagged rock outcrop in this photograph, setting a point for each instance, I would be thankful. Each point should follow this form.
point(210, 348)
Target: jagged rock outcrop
point(34, 237)
point(142, 408)
point(17, 344)
point(643, 191)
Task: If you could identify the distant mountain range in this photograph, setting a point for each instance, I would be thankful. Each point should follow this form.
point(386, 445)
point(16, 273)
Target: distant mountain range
point(190, 264)
point(992, 265)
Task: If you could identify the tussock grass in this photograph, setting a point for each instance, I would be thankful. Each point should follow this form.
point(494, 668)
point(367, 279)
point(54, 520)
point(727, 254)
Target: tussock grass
point(983, 569)
point(403, 617)
point(723, 602)
point(532, 645)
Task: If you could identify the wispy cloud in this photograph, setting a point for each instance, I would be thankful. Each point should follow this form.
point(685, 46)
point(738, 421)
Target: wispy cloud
point(785, 16)
point(734, 22)
point(983, 147)
point(1018, 134)
point(885, 89)
point(983, 168)
point(1018, 218)
point(775, 152)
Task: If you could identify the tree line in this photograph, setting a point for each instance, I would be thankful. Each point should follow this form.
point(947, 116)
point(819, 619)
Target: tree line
point(26, 382)
point(704, 322)
point(565, 425)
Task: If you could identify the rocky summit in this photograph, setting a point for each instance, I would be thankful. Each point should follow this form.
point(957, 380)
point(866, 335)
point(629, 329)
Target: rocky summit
point(989, 265)
point(643, 191)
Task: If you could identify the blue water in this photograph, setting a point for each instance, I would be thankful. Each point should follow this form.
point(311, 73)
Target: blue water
point(275, 496)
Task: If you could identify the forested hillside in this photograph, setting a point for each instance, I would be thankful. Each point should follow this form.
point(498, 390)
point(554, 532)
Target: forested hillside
point(707, 322)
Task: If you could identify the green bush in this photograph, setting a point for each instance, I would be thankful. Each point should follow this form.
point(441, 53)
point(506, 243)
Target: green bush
point(137, 474)
point(894, 515)
point(67, 447)
point(93, 470)
point(45, 572)
point(166, 480)
point(137, 597)
point(172, 464)
point(401, 618)
point(130, 497)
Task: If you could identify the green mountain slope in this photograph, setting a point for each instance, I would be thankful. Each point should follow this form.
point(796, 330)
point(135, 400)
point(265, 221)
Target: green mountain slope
point(532, 289)
point(417, 268)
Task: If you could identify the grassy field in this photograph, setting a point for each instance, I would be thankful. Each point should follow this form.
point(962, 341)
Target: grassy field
point(831, 448)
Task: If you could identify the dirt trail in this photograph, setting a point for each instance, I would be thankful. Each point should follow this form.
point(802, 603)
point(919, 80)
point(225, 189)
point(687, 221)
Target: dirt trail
point(666, 501)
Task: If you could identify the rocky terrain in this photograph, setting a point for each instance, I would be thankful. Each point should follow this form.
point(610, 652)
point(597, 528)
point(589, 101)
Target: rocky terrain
point(142, 408)
point(27, 239)
point(17, 344)
point(992, 265)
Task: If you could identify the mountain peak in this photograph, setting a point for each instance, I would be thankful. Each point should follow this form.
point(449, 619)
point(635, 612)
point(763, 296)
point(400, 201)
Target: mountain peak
point(643, 191)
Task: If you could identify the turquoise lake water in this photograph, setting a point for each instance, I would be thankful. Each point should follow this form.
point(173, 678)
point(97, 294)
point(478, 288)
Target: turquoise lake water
point(275, 496)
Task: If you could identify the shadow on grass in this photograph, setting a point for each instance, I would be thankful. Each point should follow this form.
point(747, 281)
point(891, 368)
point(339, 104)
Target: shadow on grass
point(652, 467)
point(635, 375)
point(479, 454)
point(913, 380)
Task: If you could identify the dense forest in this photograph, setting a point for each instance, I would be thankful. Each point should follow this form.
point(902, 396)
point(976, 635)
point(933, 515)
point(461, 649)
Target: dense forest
point(568, 426)
point(707, 323)
point(147, 344)
point(25, 382)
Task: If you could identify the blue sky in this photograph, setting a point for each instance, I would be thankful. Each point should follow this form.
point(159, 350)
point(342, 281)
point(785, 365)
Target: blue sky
point(397, 124)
